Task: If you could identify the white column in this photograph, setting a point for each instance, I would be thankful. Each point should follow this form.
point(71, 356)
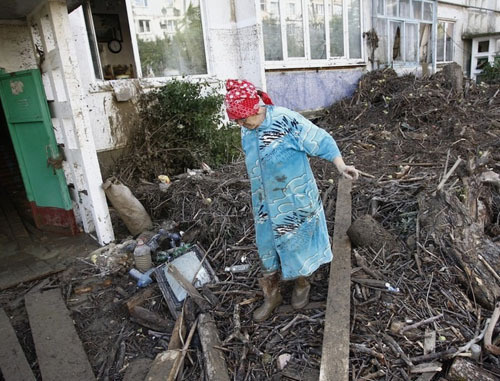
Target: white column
point(71, 119)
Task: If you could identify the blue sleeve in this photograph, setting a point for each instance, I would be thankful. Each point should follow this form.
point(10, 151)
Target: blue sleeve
point(313, 140)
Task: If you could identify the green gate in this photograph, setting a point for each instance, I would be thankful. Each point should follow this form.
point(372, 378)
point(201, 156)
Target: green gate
point(39, 157)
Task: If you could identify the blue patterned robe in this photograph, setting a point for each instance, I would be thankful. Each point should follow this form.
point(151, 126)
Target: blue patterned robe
point(290, 225)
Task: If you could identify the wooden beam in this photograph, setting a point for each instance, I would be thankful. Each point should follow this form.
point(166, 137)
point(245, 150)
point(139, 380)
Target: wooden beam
point(215, 364)
point(13, 363)
point(60, 352)
point(335, 353)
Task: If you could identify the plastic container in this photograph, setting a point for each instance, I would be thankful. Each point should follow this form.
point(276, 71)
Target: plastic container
point(142, 279)
point(238, 268)
point(142, 256)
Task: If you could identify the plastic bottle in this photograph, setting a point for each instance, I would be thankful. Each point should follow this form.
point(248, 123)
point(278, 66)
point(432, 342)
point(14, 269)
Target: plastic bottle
point(142, 256)
point(238, 268)
point(390, 288)
point(142, 279)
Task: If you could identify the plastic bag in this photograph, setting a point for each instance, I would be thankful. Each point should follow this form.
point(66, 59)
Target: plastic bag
point(129, 208)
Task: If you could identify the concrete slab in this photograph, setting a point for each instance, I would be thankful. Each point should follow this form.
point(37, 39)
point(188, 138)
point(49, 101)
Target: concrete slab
point(60, 352)
point(13, 363)
point(46, 254)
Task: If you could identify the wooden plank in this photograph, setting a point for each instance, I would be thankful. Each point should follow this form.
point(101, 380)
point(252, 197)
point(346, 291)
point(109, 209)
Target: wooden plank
point(335, 353)
point(215, 364)
point(59, 350)
point(13, 362)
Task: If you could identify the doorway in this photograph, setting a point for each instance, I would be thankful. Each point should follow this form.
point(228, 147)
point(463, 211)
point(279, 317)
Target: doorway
point(14, 205)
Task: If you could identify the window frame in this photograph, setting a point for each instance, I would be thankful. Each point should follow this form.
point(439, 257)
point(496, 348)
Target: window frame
point(404, 20)
point(307, 61)
point(490, 55)
point(135, 46)
point(446, 22)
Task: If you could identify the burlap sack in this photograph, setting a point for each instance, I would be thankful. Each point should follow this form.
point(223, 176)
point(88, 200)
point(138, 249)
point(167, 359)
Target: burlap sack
point(129, 208)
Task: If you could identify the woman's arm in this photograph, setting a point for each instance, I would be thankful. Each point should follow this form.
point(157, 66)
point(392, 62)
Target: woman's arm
point(348, 171)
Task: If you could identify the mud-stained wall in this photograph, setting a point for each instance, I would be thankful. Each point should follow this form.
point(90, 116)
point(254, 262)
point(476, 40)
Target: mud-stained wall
point(16, 51)
point(310, 90)
point(233, 51)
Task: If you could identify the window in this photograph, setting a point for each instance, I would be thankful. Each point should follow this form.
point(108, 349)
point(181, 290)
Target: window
point(404, 31)
point(485, 50)
point(171, 42)
point(444, 51)
point(296, 31)
point(156, 38)
point(144, 26)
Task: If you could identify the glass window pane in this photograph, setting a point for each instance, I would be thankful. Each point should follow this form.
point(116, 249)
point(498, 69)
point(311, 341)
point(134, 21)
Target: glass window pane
point(404, 8)
point(380, 7)
point(483, 46)
point(417, 9)
point(391, 7)
point(336, 29)
point(180, 51)
point(317, 37)
point(425, 43)
point(294, 28)
point(271, 30)
point(440, 42)
point(428, 7)
point(395, 40)
point(354, 20)
point(381, 51)
point(449, 42)
point(411, 45)
point(481, 63)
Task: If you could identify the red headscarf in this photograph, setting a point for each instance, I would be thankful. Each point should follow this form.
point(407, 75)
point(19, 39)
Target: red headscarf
point(242, 99)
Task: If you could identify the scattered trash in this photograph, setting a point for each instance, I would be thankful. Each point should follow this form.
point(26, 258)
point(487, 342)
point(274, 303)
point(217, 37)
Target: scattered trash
point(164, 182)
point(238, 268)
point(283, 360)
point(475, 351)
point(190, 265)
point(142, 256)
point(113, 257)
point(143, 279)
point(170, 254)
point(390, 288)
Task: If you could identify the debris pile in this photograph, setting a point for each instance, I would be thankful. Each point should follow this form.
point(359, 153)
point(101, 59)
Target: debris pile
point(423, 299)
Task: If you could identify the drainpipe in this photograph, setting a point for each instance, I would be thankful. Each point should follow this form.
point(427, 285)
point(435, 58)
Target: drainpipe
point(374, 24)
point(434, 38)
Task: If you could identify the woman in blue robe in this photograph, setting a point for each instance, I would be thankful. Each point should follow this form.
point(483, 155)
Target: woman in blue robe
point(290, 225)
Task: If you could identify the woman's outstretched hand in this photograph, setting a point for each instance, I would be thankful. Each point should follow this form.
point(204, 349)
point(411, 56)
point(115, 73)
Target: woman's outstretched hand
point(350, 172)
point(347, 171)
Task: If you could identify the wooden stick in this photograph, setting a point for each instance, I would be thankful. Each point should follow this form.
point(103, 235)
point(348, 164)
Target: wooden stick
point(335, 351)
point(434, 356)
point(489, 331)
point(418, 324)
point(190, 289)
point(447, 176)
point(488, 266)
point(180, 359)
point(366, 174)
point(396, 348)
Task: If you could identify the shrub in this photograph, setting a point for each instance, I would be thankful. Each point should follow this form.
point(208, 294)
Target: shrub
point(181, 125)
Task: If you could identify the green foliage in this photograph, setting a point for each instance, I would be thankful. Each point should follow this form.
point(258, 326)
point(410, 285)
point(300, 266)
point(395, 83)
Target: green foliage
point(182, 126)
point(490, 73)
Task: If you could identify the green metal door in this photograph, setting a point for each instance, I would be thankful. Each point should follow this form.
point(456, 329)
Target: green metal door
point(28, 117)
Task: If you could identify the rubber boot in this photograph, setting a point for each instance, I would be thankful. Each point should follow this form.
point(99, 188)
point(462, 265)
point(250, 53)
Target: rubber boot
point(300, 294)
point(272, 296)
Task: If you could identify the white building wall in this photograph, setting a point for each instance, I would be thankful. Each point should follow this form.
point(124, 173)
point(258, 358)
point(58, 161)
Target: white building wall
point(233, 51)
point(471, 17)
point(16, 50)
